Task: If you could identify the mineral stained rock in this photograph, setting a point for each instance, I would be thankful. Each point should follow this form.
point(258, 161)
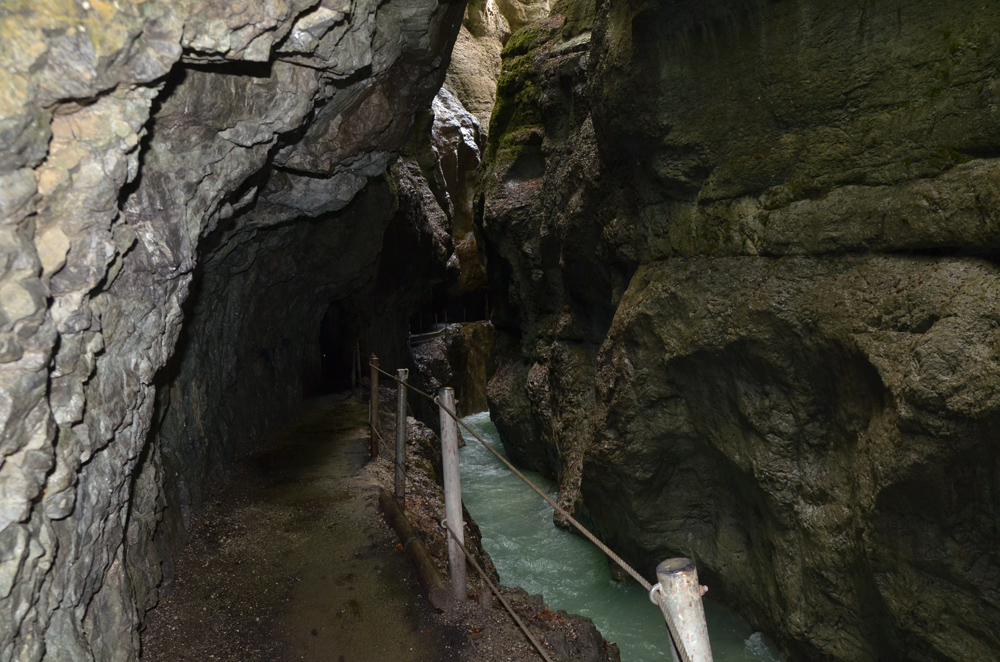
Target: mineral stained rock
point(742, 262)
point(475, 66)
point(165, 160)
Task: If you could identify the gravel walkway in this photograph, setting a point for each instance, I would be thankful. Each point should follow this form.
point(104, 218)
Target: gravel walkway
point(293, 561)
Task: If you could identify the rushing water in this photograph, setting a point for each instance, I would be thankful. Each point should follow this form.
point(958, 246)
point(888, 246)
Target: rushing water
point(572, 574)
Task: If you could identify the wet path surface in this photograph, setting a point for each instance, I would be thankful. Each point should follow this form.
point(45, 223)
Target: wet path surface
point(294, 562)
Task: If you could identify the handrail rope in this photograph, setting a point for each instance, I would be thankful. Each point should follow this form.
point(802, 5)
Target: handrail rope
point(591, 537)
point(496, 591)
point(406, 384)
point(671, 626)
point(390, 449)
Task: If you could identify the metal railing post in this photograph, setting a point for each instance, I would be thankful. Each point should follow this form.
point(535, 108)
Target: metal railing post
point(452, 494)
point(680, 602)
point(373, 448)
point(402, 374)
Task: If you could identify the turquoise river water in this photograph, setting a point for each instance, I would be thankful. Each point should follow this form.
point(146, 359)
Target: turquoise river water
point(572, 574)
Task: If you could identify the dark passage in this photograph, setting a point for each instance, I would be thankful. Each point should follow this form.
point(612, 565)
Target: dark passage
point(338, 345)
point(444, 309)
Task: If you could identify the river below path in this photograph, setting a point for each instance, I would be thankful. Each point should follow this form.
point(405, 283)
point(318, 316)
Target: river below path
point(572, 574)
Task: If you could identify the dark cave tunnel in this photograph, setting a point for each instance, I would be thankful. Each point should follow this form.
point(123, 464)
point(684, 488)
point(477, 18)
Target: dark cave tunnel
point(339, 350)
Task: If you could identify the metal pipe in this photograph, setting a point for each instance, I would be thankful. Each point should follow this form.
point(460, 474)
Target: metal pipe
point(402, 374)
point(452, 493)
point(680, 602)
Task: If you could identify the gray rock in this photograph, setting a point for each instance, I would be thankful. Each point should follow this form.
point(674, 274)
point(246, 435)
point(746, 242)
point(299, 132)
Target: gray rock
point(459, 142)
point(741, 264)
point(803, 415)
point(140, 150)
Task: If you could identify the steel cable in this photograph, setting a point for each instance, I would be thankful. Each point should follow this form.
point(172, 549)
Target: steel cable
point(496, 591)
point(671, 626)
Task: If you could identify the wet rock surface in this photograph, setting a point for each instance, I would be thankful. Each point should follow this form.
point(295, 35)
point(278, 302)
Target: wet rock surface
point(458, 357)
point(161, 161)
point(742, 305)
point(820, 433)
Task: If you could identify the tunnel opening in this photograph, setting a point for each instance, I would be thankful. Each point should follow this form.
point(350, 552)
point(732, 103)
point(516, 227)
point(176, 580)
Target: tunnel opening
point(339, 350)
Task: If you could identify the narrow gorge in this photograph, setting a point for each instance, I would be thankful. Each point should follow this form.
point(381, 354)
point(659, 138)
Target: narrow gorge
point(734, 263)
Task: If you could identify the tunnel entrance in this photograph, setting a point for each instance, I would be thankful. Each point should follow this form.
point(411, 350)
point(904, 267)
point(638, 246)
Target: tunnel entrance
point(338, 344)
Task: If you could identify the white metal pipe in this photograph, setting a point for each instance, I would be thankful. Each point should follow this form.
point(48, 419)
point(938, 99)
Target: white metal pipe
point(452, 494)
point(680, 601)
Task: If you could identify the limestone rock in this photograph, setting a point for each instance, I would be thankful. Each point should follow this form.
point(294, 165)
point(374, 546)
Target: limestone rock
point(458, 357)
point(459, 142)
point(475, 64)
point(158, 163)
point(799, 426)
point(741, 261)
point(520, 13)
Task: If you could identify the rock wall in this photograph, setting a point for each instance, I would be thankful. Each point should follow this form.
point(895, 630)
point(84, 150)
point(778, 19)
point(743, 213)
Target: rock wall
point(743, 262)
point(475, 66)
point(171, 160)
point(459, 357)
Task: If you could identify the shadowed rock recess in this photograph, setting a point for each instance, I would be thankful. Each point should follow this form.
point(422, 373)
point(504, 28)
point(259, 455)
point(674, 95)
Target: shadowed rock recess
point(743, 261)
point(222, 163)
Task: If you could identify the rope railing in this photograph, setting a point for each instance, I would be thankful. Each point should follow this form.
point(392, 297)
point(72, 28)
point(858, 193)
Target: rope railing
point(674, 634)
point(407, 384)
point(654, 594)
point(496, 591)
point(385, 444)
point(587, 534)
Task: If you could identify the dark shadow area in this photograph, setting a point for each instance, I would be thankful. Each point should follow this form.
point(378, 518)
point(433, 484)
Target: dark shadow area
point(444, 309)
point(338, 341)
point(233, 68)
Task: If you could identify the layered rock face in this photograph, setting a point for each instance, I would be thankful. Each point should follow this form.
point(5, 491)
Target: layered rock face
point(218, 162)
point(743, 261)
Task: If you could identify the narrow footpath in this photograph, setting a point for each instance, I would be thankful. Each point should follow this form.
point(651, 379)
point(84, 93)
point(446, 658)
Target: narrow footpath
point(294, 561)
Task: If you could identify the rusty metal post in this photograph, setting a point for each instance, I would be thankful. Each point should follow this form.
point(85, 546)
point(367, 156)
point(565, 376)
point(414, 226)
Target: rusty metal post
point(680, 601)
point(402, 374)
point(452, 493)
point(373, 409)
